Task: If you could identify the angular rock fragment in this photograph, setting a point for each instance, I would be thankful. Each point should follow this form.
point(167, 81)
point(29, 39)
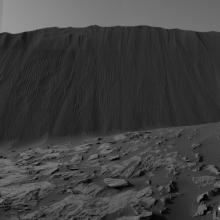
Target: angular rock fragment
point(198, 157)
point(84, 148)
point(130, 166)
point(64, 209)
point(76, 159)
point(116, 183)
point(129, 218)
point(217, 185)
point(146, 215)
point(124, 169)
point(166, 199)
point(201, 210)
point(146, 192)
point(202, 197)
point(27, 155)
point(171, 187)
point(88, 189)
point(196, 145)
point(215, 190)
point(140, 172)
point(51, 156)
point(148, 202)
point(116, 203)
point(148, 182)
point(10, 173)
point(26, 193)
point(47, 169)
point(203, 180)
point(105, 149)
point(212, 169)
point(114, 169)
point(143, 206)
point(93, 157)
point(164, 210)
point(119, 137)
point(216, 214)
point(114, 157)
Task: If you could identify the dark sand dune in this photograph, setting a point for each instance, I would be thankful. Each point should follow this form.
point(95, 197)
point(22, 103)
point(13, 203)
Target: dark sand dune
point(98, 80)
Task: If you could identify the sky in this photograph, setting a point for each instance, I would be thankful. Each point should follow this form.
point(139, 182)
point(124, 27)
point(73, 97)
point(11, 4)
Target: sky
point(24, 15)
point(1, 11)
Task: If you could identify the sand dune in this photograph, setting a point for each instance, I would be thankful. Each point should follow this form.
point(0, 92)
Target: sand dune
point(98, 80)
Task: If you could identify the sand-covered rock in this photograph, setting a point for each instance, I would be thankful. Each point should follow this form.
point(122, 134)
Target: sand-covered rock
point(212, 169)
point(203, 180)
point(116, 183)
point(201, 210)
point(202, 197)
point(28, 194)
point(10, 173)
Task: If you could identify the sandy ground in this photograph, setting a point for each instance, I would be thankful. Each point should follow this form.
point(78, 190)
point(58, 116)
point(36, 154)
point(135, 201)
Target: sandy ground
point(169, 173)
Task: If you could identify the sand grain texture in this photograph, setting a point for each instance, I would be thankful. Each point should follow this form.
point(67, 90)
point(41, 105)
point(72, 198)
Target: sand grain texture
point(97, 80)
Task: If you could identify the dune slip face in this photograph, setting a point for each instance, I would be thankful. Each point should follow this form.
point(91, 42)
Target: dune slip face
point(102, 79)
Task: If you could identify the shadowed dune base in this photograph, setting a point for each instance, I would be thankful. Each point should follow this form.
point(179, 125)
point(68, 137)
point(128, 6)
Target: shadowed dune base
point(98, 80)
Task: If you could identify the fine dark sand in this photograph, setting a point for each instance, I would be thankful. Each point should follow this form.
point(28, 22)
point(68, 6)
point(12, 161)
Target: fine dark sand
point(91, 80)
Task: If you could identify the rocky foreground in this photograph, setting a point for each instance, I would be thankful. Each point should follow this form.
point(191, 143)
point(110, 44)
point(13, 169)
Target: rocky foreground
point(170, 173)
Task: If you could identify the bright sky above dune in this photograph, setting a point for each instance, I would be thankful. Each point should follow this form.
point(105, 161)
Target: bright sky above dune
point(1, 10)
point(24, 15)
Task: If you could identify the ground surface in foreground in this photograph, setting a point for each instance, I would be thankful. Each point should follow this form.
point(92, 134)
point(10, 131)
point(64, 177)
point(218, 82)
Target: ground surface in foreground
point(169, 173)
